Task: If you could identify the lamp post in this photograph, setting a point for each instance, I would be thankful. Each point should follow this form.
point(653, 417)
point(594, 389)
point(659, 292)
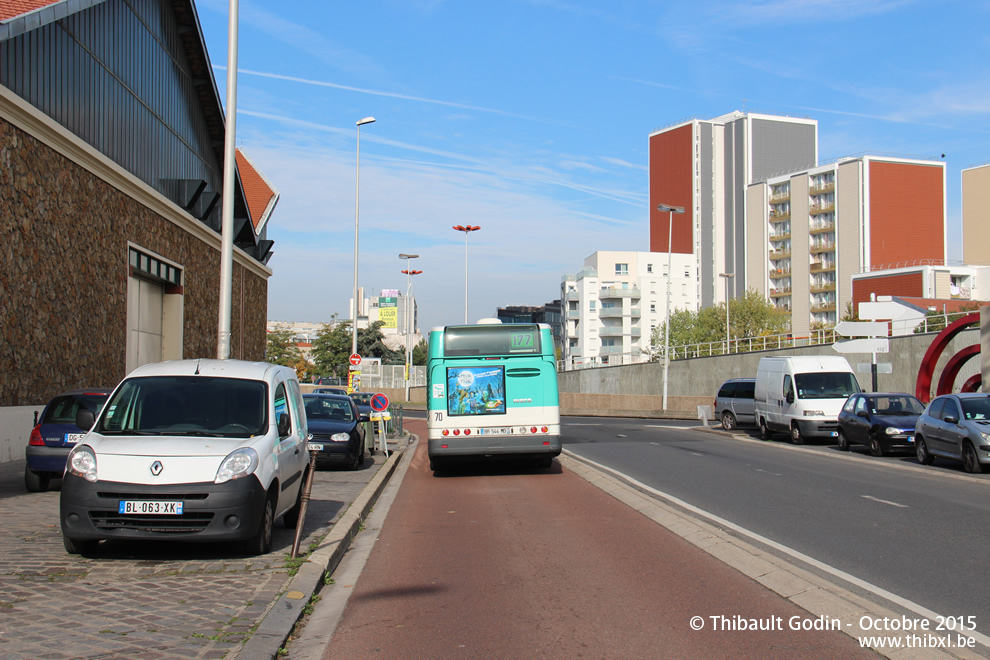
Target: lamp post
point(357, 199)
point(409, 315)
point(727, 276)
point(671, 210)
point(467, 229)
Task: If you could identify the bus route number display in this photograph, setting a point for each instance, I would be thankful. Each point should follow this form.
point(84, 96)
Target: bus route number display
point(522, 341)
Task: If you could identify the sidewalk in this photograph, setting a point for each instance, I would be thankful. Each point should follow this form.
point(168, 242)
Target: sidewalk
point(168, 600)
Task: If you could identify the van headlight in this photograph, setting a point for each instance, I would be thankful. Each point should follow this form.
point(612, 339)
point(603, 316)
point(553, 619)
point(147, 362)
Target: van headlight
point(814, 413)
point(239, 463)
point(82, 463)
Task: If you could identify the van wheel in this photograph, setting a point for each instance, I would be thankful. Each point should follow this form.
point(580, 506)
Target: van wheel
point(971, 462)
point(765, 432)
point(921, 449)
point(261, 542)
point(85, 548)
point(843, 441)
point(728, 421)
point(796, 437)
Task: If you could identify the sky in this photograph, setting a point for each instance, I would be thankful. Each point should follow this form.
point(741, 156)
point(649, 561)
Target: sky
point(531, 119)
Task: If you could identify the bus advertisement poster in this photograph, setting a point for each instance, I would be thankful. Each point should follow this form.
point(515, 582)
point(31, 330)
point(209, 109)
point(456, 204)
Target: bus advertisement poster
point(476, 390)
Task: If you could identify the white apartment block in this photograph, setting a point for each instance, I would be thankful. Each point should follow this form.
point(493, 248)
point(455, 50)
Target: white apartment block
point(612, 306)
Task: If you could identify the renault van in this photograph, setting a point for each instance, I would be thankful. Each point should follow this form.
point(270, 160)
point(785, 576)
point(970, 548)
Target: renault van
point(802, 395)
point(189, 450)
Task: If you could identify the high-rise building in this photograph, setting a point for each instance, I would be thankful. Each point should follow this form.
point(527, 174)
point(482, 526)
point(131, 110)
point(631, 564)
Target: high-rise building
point(705, 167)
point(550, 313)
point(812, 230)
point(976, 215)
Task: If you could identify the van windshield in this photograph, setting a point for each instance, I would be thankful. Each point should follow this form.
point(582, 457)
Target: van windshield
point(826, 385)
point(187, 405)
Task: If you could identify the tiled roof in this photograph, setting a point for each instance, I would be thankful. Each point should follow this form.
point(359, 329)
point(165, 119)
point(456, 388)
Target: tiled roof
point(12, 8)
point(259, 193)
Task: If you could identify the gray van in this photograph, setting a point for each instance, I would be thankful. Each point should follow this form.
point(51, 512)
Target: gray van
point(734, 403)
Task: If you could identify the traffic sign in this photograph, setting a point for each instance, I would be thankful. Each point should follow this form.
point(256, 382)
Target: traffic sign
point(866, 345)
point(379, 402)
point(861, 328)
point(882, 368)
point(885, 309)
point(355, 359)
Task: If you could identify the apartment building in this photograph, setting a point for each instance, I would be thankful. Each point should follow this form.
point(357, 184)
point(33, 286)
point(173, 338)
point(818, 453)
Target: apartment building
point(976, 215)
point(706, 166)
point(612, 306)
point(813, 230)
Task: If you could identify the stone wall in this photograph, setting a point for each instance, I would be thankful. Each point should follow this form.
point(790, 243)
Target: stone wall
point(64, 270)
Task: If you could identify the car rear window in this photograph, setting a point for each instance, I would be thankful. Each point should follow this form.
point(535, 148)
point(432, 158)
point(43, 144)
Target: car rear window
point(727, 391)
point(63, 409)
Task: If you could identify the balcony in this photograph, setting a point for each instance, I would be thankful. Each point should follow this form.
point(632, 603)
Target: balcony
point(572, 295)
point(607, 331)
point(821, 227)
point(781, 292)
point(776, 255)
point(610, 312)
point(822, 247)
point(822, 188)
point(779, 273)
point(779, 216)
point(823, 307)
point(822, 266)
point(818, 209)
point(605, 294)
point(781, 196)
point(574, 313)
point(823, 287)
point(780, 235)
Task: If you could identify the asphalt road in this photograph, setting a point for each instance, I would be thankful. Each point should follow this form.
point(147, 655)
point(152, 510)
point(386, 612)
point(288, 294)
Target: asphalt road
point(911, 530)
point(514, 562)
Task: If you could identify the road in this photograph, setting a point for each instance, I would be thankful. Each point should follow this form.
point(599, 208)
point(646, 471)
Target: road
point(513, 562)
point(911, 530)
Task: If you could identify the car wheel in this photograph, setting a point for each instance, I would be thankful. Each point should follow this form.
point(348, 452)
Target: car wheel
point(922, 451)
point(361, 456)
point(35, 482)
point(971, 461)
point(728, 421)
point(843, 441)
point(261, 542)
point(796, 436)
point(85, 548)
point(291, 517)
point(875, 448)
point(765, 432)
point(353, 464)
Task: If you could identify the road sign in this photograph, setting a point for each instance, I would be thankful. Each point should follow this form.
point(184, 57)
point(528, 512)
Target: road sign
point(355, 359)
point(886, 309)
point(866, 345)
point(861, 328)
point(882, 368)
point(379, 402)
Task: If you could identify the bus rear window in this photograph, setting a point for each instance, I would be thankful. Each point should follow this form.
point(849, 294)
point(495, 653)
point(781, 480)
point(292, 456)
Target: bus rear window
point(510, 339)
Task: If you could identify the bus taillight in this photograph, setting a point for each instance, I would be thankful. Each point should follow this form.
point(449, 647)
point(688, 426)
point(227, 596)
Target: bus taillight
point(457, 431)
point(545, 429)
point(467, 431)
point(532, 429)
point(446, 433)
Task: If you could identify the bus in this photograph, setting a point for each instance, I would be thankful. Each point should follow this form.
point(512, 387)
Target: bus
point(492, 392)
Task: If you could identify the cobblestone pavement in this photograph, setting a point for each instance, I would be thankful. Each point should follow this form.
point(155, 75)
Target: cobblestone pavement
point(142, 601)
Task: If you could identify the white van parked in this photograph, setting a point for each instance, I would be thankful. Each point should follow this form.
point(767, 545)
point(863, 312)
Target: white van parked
point(802, 395)
point(189, 450)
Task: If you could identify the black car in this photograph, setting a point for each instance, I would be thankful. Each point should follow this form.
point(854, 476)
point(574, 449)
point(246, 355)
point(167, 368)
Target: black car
point(363, 401)
point(56, 433)
point(330, 390)
point(337, 429)
point(883, 421)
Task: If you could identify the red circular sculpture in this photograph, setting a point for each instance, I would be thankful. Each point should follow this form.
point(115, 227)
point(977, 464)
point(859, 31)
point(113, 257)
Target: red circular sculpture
point(923, 387)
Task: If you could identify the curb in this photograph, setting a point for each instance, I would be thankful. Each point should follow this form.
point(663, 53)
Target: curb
point(277, 625)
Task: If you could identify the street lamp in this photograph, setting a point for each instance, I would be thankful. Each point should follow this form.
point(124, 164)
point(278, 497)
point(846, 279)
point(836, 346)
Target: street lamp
point(671, 210)
point(727, 276)
point(467, 229)
point(357, 198)
point(409, 315)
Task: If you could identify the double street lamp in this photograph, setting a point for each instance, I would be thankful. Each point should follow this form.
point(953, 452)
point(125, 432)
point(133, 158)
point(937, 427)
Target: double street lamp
point(467, 229)
point(410, 317)
point(727, 276)
point(357, 198)
point(671, 210)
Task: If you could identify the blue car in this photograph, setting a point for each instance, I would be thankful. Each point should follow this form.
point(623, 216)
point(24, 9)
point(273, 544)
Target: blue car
point(56, 433)
point(336, 429)
point(883, 421)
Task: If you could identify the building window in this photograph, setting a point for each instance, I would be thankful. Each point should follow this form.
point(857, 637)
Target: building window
point(591, 305)
point(653, 309)
point(621, 269)
point(649, 268)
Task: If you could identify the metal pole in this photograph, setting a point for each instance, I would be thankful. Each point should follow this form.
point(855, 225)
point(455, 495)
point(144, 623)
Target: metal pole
point(671, 210)
point(229, 173)
point(466, 277)
point(357, 200)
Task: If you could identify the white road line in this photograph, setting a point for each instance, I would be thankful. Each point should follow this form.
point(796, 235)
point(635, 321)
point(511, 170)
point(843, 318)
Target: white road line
point(661, 426)
point(768, 472)
point(820, 565)
point(877, 499)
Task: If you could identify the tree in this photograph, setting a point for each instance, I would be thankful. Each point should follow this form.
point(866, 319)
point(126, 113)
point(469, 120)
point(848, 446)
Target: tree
point(331, 350)
point(371, 343)
point(851, 313)
point(420, 352)
point(936, 320)
point(750, 315)
point(281, 348)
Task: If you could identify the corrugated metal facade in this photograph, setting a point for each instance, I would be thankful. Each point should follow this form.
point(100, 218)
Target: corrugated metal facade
point(706, 205)
point(780, 147)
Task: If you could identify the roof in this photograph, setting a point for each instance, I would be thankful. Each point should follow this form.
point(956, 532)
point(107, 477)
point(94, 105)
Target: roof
point(20, 16)
point(950, 306)
point(11, 8)
point(260, 193)
point(210, 368)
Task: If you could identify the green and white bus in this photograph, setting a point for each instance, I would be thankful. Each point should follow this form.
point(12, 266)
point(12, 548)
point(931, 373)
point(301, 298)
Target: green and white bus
point(492, 391)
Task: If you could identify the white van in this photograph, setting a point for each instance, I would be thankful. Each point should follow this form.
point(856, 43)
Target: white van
point(802, 395)
point(189, 450)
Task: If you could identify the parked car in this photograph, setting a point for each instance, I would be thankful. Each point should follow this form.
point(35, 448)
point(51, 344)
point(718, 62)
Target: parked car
point(330, 390)
point(337, 430)
point(734, 403)
point(189, 450)
point(55, 434)
point(883, 421)
point(955, 426)
point(363, 401)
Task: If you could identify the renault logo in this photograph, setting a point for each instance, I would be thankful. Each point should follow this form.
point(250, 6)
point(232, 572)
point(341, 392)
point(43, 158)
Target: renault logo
point(156, 468)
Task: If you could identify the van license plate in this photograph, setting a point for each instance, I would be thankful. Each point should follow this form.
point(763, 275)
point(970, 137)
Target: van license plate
point(835, 434)
point(159, 508)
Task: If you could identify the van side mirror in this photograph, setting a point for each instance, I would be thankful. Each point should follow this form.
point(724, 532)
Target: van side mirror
point(790, 397)
point(85, 419)
point(284, 425)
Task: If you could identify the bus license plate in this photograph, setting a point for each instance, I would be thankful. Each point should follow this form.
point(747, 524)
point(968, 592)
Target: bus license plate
point(154, 507)
point(495, 431)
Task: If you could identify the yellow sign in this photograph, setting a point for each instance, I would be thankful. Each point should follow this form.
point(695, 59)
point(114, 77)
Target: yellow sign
point(389, 316)
point(353, 381)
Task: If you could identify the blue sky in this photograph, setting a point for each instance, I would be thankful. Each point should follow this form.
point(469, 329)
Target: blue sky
point(530, 118)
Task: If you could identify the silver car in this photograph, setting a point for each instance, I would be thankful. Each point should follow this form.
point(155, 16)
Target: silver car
point(955, 426)
point(734, 403)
